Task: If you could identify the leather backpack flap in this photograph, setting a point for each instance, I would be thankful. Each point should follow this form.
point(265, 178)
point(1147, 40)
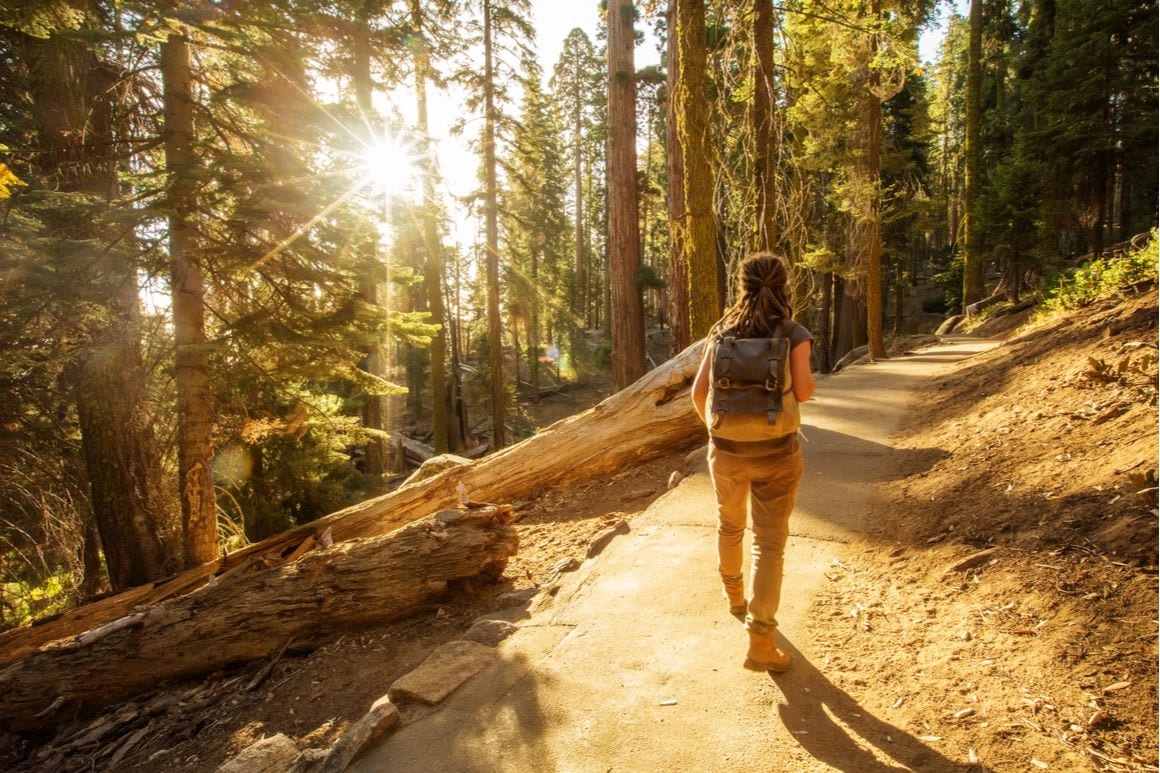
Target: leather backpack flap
point(749, 374)
point(751, 389)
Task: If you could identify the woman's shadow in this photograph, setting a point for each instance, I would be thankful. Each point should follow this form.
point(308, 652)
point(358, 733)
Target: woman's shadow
point(814, 708)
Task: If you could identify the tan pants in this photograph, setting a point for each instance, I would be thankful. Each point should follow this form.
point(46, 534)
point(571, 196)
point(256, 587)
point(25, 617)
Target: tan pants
point(765, 477)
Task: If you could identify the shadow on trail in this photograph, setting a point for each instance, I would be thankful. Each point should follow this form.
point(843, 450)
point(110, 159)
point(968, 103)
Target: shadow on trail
point(834, 729)
point(840, 471)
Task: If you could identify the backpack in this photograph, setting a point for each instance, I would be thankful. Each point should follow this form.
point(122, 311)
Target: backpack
point(750, 388)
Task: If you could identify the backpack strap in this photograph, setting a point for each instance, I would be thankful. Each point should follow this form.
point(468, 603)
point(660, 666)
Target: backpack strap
point(772, 385)
point(724, 358)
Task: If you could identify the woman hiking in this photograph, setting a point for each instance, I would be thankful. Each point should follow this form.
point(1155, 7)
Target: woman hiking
point(755, 372)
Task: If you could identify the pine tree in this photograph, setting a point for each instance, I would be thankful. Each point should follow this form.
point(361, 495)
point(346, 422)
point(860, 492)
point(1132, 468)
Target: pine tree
point(191, 370)
point(537, 229)
point(71, 85)
point(577, 90)
point(972, 259)
point(433, 264)
point(502, 31)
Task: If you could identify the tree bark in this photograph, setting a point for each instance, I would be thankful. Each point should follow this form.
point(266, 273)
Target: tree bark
point(491, 248)
point(191, 371)
point(580, 297)
point(700, 239)
point(433, 266)
point(651, 418)
point(121, 459)
point(627, 305)
point(822, 350)
point(762, 122)
point(972, 259)
point(678, 257)
point(371, 270)
point(870, 237)
point(254, 610)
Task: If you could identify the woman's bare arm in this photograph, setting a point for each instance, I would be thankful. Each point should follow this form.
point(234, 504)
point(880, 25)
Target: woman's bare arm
point(701, 383)
point(800, 372)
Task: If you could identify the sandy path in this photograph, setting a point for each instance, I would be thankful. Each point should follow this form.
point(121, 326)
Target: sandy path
point(636, 662)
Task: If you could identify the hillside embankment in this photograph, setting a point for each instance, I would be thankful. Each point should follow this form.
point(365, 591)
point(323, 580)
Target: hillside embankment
point(1022, 629)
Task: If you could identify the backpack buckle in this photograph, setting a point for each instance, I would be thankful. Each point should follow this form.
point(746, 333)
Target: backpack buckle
point(770, 384)
point(724, 383)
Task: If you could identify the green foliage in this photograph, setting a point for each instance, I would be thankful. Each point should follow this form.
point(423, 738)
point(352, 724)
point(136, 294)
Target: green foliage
point(21, 602)
point(647, 278)
point(951, 279)
point(1105, 278)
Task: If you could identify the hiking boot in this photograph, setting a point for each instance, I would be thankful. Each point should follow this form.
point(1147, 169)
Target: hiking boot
point(735, 594)
point(764, 655)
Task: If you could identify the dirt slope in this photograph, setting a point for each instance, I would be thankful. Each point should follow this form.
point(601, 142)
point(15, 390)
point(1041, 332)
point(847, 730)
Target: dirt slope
point(1043, 452)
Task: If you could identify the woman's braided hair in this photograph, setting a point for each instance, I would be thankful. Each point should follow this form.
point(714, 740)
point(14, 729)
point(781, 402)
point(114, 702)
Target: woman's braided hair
point(762, 300)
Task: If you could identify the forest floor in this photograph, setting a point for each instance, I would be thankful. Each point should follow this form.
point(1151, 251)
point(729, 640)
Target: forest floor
point(1001, 611)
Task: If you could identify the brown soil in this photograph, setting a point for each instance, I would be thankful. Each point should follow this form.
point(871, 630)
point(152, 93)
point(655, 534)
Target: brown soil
point(1044, 452)
point(1047, 645)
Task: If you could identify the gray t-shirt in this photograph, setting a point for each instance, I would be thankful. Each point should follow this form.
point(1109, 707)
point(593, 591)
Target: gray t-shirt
point(796, 333)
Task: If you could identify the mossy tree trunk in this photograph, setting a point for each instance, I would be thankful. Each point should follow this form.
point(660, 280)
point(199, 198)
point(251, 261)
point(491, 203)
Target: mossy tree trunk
point(699, 233)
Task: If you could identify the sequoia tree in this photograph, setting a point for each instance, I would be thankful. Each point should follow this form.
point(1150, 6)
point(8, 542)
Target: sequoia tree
point(623, 202)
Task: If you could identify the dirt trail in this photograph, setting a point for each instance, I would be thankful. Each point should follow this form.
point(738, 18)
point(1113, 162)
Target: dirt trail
point(634, 662)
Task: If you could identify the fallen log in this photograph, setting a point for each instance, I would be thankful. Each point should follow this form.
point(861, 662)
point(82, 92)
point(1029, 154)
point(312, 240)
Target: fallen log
point(647, 419)
point(346, 587)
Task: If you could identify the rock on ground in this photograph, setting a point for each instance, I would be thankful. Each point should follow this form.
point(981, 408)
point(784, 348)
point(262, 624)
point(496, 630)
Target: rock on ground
point(269, 755)
point(489, 632)
point(442, 672)
point(382, 717)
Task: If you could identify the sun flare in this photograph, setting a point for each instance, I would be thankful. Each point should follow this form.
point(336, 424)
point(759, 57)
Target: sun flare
point(386, 166)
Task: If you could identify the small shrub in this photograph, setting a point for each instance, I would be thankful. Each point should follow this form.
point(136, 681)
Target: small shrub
point(1105, 278)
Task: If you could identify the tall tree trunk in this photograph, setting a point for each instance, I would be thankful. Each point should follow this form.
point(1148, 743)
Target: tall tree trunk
point(121, 459)
point(823, 349)
point(839, 303)
point(491, 220)
point(627, 306)
point(580, 290)
point(763, 126)
point(457, 428)
point(870, 240)
point(699, 237)
point(77, 150)
point(899, 295)
point(433, 265)
point(678, 257)
point(534, 330)
point(851, 331)
point(191, 371)
point(374, 411)
point(972, 257)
